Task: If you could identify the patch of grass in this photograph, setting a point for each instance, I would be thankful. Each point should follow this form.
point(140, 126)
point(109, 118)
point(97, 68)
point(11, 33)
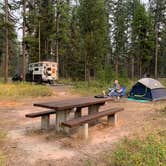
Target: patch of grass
point(23, 90)
point(89, 163)
point(65, 81)
point(91, 88)
point(96, 87)
point(2, 159)
point(163, 111)
point(2, 156)
point(150, 151)
point(163, 81)
point(2, 136)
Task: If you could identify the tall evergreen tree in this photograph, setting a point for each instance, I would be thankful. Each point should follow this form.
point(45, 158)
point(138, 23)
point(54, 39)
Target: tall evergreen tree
point(6, 41)
point(23, 41)
point(142, 36)
point(158, 9)
point(93, 25)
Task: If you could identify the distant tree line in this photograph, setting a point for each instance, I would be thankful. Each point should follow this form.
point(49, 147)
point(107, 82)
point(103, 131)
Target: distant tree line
point(89, 39)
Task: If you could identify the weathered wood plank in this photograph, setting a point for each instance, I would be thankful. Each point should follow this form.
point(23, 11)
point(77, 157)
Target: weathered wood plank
point(88, 118)
point(72, 103)
point(38, 114)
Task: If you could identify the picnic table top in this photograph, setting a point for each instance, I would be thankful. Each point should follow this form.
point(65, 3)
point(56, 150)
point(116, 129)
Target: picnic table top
point(73, 103)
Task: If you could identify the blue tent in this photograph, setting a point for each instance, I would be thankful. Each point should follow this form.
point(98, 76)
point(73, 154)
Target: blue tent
point(148, 89)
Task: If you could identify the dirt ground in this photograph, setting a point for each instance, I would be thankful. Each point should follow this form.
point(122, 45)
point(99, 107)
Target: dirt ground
point(27, 145)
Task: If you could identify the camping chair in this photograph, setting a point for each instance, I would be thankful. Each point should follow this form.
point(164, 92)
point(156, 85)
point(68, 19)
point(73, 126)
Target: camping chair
point(120, 94)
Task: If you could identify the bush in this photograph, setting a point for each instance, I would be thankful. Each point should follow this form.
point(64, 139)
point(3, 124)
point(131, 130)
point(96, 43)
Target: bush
point(150, 152)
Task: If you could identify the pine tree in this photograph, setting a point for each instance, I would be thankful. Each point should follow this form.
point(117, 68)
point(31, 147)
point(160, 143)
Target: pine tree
point(6, 42)
point(158, 9)
point(93, 26)
point(23, 41)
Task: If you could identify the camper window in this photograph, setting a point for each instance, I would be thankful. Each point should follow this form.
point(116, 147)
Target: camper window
point(49, 68)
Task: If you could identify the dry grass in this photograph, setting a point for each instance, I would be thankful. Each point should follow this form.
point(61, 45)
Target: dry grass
point(15, 90)
point(2, 156)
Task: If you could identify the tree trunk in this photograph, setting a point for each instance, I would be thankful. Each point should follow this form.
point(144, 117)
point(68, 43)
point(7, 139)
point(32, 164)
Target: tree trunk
point(156, 51)
point(132, 67)
point(23, 40)
point(117, 62)
point(86, 68)
point(57, 40)
point(7, 42)
point(39, 43)
point(39, 35)
point(140, 67)
point(117, 67)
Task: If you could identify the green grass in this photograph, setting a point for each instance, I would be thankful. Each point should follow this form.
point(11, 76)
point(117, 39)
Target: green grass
point(150, 151)
point(94, 87)
point(11, 90)
point(88, 89)
point(145, 150)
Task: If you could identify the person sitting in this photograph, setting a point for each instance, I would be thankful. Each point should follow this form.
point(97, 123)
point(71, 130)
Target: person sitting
point(115, 88)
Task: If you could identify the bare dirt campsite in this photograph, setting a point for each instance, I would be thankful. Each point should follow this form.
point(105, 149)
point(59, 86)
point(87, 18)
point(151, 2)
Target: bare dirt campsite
point(83, 83)
point(25, 144)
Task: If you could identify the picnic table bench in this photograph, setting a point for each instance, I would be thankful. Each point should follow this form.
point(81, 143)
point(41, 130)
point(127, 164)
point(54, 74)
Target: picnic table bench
point(63, 108)
point(83, 121)
point(45, 117)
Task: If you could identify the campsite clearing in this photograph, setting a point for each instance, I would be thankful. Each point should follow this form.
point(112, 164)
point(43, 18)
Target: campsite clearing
point(33, 147)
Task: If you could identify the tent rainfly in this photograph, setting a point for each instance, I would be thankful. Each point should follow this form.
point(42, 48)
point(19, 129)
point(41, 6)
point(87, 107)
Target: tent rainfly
point(148, 89)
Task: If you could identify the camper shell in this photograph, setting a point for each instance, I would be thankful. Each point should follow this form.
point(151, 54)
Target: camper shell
point(43, 71)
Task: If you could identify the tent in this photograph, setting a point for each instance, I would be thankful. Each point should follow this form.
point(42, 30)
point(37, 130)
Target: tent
point(148, 89)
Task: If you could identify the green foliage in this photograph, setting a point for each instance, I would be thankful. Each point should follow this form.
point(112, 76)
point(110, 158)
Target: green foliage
point(150, 151)
point(23, 90)
point(41, 22)
point(93, 27)
point(64, 36)
point(13, 44)
point(95, 40)
point(142, 36)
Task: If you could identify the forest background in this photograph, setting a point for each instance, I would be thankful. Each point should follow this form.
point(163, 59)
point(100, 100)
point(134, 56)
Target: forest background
point(90, 40)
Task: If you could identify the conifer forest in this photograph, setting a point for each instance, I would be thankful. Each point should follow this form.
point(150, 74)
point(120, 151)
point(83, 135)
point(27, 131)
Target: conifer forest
point(89, 39)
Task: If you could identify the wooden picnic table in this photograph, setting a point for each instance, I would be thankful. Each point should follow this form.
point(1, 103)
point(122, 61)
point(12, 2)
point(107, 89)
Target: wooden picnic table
point(64, 107)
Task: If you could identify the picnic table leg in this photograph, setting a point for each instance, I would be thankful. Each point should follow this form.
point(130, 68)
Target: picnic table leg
point(113, 119)
point(91, 110)
point(78, 113)
point(62, 116)
point(83, 131)
point(45, 121)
